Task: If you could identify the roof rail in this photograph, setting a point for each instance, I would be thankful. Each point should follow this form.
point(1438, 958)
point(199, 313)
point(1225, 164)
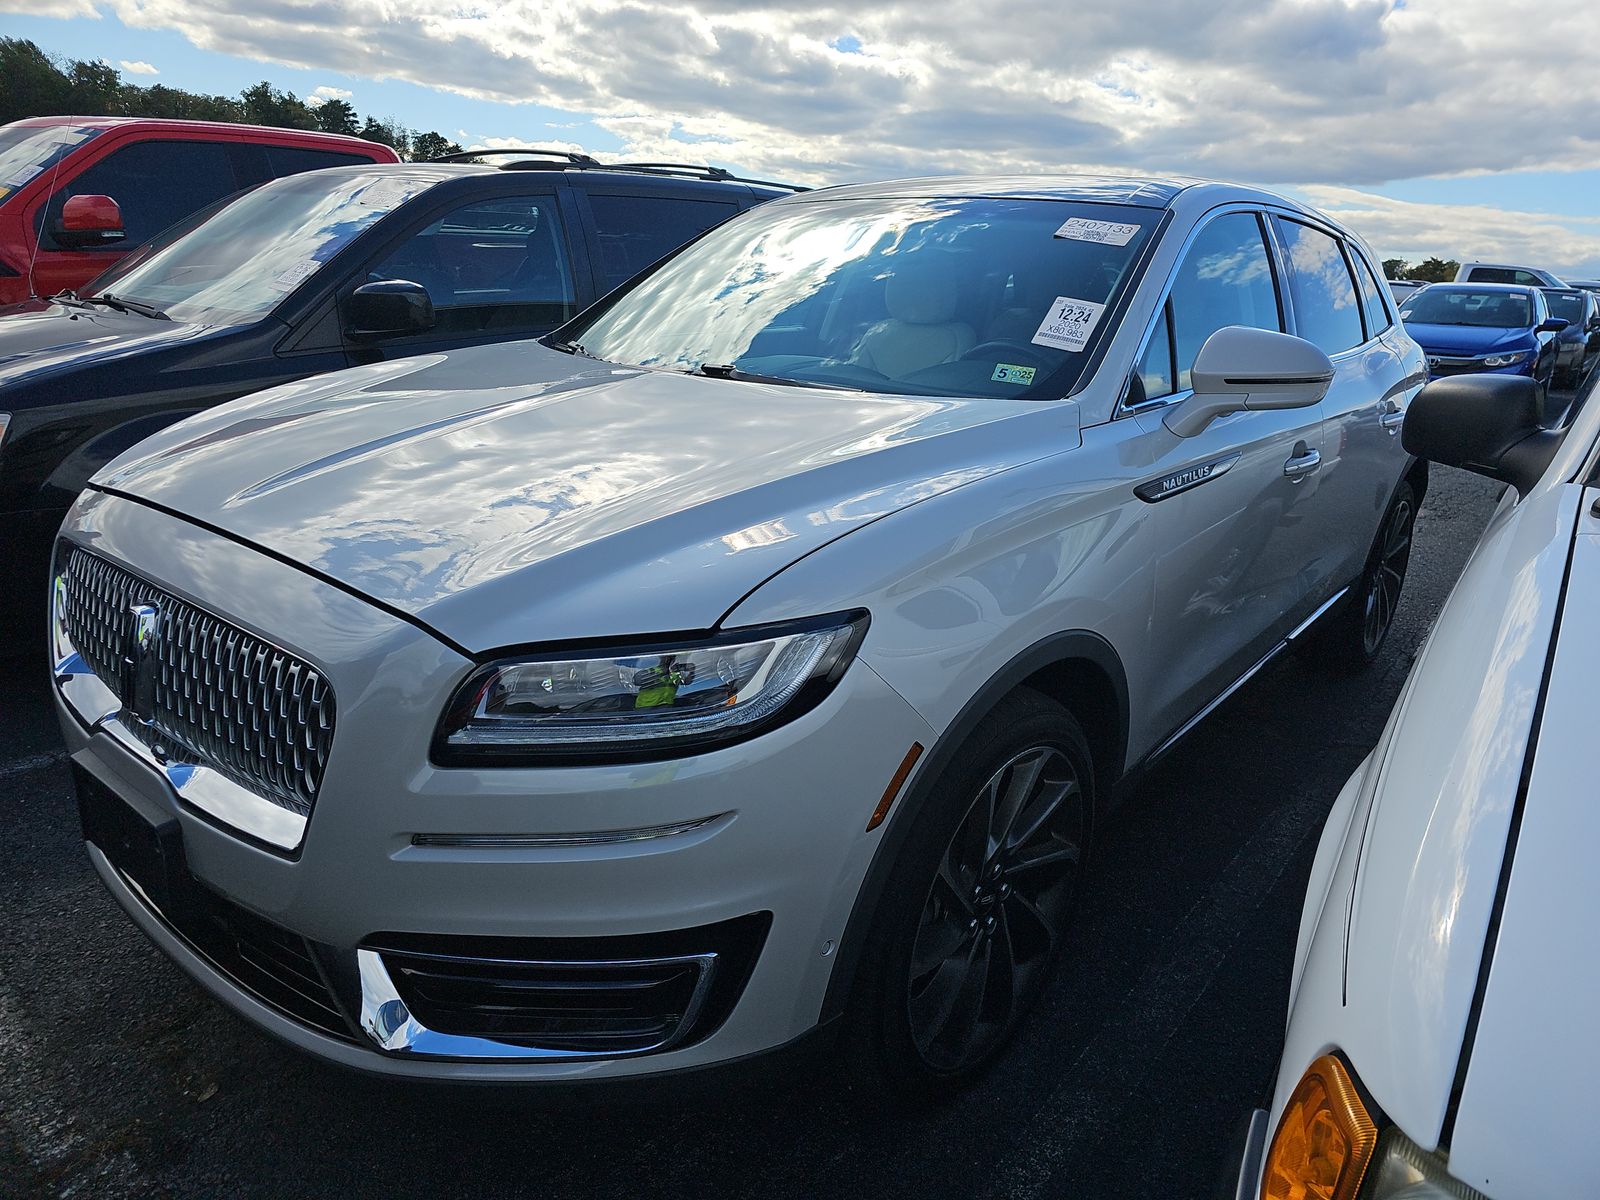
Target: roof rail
point(698, 171)
point(582, 160)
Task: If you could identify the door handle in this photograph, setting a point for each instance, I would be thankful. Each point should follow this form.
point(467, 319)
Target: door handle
point(1392, 417)
point(1304, 461)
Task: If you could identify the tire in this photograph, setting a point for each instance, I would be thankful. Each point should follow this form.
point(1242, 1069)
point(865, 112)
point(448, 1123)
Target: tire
point(1352, 636)
point(967, 933)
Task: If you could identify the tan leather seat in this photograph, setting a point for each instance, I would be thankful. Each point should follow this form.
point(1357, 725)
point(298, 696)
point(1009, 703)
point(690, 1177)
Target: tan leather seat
point(921, 299)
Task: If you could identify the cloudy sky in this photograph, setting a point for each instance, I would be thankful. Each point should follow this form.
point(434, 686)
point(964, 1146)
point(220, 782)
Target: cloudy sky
point(1464, 128)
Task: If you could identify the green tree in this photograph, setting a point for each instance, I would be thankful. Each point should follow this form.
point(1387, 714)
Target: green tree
point(94, 89)
point(1396, 268)
point(337, 116)
point(425, 147)
point(390, 133)
point(264, 104)
point(30, 84)
point(1436, 270)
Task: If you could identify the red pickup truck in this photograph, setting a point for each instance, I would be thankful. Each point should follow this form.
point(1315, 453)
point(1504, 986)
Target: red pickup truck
point(76, 193)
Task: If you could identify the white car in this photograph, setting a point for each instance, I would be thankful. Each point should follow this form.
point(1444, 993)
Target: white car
point(1441, 1038)
point(1482, 272)
point(762, 646)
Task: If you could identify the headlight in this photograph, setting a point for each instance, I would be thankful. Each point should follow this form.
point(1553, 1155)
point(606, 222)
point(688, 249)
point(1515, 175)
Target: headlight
point(1405, 1171)
point(1506, 360)
point(1324, 1139)
point(654, 700)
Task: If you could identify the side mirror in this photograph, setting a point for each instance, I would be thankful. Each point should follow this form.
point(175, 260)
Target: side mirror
point(1243, 368)
point(389, 308)
point(87, 222)
point(1553, 325)
point(1490, 424)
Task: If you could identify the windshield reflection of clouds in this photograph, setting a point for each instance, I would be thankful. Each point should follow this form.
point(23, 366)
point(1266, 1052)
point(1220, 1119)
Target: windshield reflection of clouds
point(238, 265)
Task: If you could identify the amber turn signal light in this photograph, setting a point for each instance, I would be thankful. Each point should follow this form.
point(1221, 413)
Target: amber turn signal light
point(1324, 1140)
point(895, 784)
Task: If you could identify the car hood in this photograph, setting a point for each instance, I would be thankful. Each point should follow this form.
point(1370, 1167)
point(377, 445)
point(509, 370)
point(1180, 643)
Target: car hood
point(1420, 908)
point(1468, 339)
point(42, 339)
point(1521, 1127)
point(511, 494)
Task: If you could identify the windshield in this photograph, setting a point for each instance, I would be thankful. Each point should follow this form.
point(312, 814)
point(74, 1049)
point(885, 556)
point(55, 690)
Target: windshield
point(234, 267)
point(25, 150)
point(1491, 308)
point(1567, 305)
point(941, 297)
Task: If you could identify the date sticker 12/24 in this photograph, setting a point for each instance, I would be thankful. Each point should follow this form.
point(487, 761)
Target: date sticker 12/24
point(1068, 324)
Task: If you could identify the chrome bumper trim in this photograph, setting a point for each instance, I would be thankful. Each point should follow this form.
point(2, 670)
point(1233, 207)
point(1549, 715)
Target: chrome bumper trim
point(393, 1028)
point(541, 841)
point(200, 787)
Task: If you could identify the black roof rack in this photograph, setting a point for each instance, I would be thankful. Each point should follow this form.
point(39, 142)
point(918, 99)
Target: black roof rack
point(580, 160)
point(565, 159)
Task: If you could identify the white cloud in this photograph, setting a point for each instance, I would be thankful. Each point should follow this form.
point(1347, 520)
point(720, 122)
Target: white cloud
point(1322, 92)
point(1403, 229)
point(326, 92)
point(138, 67)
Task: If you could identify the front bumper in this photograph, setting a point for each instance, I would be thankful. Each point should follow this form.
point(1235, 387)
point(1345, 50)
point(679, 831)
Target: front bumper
point(771, 830)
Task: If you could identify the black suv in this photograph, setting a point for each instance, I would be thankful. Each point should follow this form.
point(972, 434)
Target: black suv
point(311, 273)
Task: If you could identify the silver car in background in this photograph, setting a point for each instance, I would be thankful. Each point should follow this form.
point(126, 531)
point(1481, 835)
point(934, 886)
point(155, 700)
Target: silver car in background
point(756, 654)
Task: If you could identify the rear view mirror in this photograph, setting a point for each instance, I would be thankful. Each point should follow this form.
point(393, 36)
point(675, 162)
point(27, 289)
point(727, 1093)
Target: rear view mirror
point(87, 222)
point(1553, 325)
point(1242, 368)
point(389, 308)
point(1490, 424)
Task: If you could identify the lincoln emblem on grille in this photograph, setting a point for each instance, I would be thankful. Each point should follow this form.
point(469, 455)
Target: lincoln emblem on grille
point(139, 662)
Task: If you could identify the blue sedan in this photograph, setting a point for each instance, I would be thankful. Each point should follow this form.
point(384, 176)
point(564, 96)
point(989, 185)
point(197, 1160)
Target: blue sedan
point(1476, 327)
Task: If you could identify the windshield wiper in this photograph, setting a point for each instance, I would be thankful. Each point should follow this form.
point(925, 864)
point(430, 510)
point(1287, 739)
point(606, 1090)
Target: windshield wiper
point(729, 371)
point(572, 348)
point(123, 304)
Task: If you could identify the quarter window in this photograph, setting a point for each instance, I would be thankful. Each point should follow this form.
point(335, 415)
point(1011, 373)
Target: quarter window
point(1378, 318)
point(1326, 310)
point(491, 265)
point(635, 231)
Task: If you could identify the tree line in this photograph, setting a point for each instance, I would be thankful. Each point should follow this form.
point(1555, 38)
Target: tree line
point(33, 84)
point(1430, 270)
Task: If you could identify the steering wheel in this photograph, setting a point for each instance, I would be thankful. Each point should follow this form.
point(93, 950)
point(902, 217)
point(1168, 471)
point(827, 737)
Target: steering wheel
point(1030, 354)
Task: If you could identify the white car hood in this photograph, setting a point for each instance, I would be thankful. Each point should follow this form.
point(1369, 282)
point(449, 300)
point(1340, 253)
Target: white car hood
point(512, 494)
point(1523, 1123)
point(1435, 836)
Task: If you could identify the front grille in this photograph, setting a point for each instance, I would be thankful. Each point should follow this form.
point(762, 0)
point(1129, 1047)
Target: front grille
point(217, 696)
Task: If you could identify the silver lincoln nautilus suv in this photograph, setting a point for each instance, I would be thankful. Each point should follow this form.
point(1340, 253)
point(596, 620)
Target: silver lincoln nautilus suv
point(758, 650)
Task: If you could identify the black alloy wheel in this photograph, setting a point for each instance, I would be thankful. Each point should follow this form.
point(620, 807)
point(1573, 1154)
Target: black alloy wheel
point(996, 909)
point(1386, 576)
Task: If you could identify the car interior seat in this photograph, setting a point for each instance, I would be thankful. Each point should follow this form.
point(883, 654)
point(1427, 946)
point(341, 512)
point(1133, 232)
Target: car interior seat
point(921, 298)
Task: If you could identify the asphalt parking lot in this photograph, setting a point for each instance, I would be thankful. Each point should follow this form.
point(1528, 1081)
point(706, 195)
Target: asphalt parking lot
point(118, 1077)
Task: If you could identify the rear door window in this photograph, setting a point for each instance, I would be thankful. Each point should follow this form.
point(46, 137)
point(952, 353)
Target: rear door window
point(498, 264)
point(1327, 311)
point(291, 160)
point(634, 231)
point(156, 184)
point(1377, 312)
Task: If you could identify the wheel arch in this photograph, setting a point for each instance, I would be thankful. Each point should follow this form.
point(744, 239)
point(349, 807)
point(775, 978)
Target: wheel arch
point(1079, 670)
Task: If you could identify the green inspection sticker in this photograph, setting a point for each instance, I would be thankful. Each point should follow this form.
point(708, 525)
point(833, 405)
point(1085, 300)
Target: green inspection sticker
point(1011, 373)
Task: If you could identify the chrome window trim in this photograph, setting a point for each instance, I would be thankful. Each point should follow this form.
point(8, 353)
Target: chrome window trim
point(394, 1029)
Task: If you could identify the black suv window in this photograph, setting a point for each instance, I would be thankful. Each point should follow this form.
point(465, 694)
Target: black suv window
point(490, 265)
point(1225, 279)
point(636, 230)
point(1327, 312)
point(156, 184)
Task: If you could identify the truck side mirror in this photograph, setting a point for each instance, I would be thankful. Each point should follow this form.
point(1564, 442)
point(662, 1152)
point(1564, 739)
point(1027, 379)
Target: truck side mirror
point(88, 223)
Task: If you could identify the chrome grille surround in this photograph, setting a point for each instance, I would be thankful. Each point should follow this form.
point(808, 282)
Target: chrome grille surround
point(216, 696)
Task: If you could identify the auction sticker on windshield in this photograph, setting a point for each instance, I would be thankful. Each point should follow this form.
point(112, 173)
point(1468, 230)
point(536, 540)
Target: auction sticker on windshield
point(1106, 233)
point(1068, 324)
